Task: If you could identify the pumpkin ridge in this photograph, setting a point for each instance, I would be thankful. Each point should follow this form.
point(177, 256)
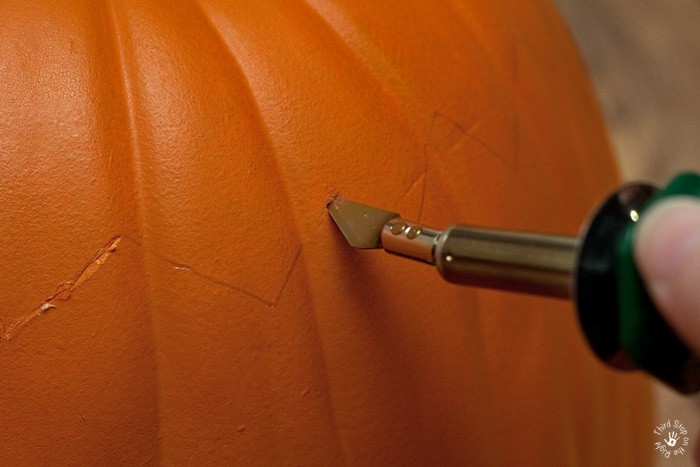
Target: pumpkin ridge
point(491, 55)
point(259, 118)
point(343, 447)
point(128, 108)
point(127, 95)
point(415, 136)
point(328, 395)
point(383, 82)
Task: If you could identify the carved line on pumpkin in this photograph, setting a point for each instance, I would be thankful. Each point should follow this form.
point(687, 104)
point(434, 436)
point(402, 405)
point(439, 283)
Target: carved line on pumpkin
point(202, 275)
point(436, 136)
point(466, 133)
point(433, 136)
point(64, 290)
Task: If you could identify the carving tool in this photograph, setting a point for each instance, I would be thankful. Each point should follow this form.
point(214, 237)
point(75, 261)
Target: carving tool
point(596, 270)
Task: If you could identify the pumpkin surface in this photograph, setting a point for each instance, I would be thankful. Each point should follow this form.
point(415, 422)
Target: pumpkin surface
point(174, 292)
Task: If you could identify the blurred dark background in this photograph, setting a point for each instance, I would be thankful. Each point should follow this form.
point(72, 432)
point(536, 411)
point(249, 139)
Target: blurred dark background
point(644, 58)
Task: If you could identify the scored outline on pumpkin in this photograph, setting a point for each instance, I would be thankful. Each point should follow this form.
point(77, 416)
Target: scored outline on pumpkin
point(444, 133)
point(202, 275)
point(64, 290)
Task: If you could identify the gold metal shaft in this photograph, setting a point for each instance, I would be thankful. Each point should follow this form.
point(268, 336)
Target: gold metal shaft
point(505, 260)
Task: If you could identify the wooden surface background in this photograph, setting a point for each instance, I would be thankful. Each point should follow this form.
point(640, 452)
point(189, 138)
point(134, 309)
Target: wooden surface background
point(644, 58)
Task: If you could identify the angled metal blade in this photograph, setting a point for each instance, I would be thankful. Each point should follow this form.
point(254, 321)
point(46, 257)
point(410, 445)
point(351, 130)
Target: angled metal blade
point(361, 224)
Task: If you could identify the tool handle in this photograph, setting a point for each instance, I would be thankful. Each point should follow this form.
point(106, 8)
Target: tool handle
point(648, 340)
point(506, 260)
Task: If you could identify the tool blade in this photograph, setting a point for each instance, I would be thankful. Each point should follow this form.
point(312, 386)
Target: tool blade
point(360, 224)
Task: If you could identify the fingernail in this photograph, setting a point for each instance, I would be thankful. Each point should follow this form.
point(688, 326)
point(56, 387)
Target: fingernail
point(667, 235)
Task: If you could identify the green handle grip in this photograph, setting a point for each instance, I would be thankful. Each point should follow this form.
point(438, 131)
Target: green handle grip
point(645, 336)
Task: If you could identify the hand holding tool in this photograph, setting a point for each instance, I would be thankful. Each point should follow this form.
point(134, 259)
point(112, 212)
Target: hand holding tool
point(597, 269)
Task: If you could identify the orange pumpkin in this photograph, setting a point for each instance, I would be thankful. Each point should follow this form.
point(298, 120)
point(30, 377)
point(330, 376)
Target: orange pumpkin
point(173, 290)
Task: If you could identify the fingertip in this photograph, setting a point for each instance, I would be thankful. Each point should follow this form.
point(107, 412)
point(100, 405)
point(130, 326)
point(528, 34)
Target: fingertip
point(667, 252)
